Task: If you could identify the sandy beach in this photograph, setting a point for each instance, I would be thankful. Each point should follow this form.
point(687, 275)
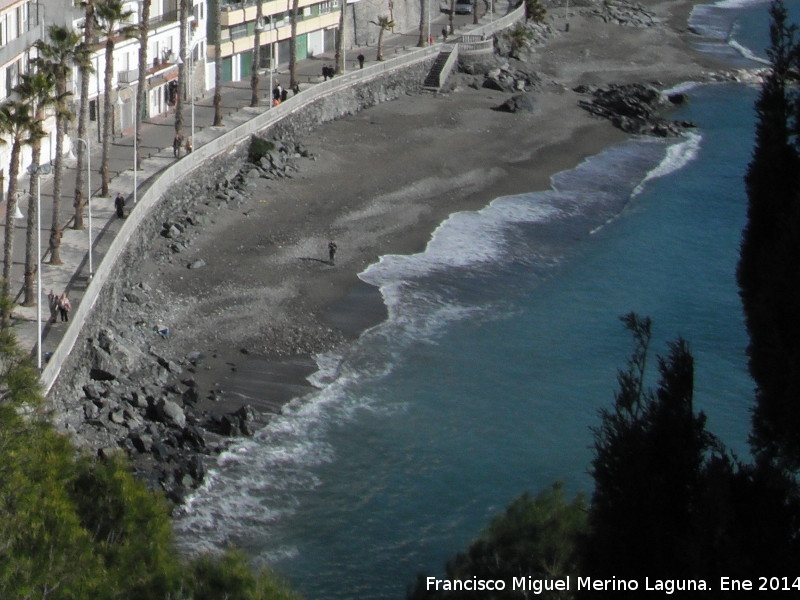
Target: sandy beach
point(379, 183)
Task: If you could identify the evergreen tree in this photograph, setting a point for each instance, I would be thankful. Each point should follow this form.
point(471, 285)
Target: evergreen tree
point(650, 453)
point(768, 277)
point(535, 537)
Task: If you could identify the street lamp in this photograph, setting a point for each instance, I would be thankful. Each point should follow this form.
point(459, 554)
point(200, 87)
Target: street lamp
point(89, 195)
point(38, 171)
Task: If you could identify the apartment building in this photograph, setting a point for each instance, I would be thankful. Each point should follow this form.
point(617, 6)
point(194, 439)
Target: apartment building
point(317, 24)
point(163, 51)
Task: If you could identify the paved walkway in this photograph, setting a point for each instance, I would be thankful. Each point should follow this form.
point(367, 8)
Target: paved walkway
point(73, 275)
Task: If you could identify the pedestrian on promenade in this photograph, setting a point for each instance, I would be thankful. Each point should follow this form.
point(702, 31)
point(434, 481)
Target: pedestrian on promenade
point(360, 61)
point(64, 307)
point(176, 145)
point(444, 34)
point(296, 88)
point(331, 251)
point(52, 302)
point(189, 147)
point(119, 205)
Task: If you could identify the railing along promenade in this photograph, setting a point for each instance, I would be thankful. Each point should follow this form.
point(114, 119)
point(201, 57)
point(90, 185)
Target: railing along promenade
point(152, 190)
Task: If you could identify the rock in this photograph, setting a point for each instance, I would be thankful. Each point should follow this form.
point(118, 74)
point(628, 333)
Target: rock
point(198, 264)
point(170, 413)
point(519, 103)
point(142, 442)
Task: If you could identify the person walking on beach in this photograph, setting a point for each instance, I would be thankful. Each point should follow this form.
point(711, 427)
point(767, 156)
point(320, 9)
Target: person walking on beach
point(64, 307)
point(331, 251)
point(119, 205)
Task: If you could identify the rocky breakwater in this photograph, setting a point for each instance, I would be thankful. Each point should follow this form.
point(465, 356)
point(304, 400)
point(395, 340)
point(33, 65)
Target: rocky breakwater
point(635, 108)
point(131, 388)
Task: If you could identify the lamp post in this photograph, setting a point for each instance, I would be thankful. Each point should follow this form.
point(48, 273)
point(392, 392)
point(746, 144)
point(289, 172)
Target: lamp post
point(88, 148)
point(37, 171)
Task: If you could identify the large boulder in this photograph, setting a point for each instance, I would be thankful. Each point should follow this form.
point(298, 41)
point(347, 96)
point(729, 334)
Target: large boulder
point(170, 413)
point(519, 103)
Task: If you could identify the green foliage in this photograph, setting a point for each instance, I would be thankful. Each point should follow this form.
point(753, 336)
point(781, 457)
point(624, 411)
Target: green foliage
point(536, 537)
point(535, 11)
point(650, 452)
point(258, 149)
point(230, 577)
point(520, 38)
point(768, 277)
point(77, 528)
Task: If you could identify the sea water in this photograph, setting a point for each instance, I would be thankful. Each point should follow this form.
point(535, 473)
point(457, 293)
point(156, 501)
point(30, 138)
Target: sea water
point(502, 344)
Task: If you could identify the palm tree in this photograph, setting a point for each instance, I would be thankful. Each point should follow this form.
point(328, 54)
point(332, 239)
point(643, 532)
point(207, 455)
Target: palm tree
point(339, 58)
point(141, 90)
point(385, 23)
point(17, 121)
point(109, 15)
point(256, 56)
point(293, 44)
point(422, 42)
point(217, 67)
point(184, 16)
point(58, 57)
point(86, 70)
point(40, 90)
point(452, 16)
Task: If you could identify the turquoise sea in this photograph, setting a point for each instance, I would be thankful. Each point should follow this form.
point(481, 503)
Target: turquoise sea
point(502, 343)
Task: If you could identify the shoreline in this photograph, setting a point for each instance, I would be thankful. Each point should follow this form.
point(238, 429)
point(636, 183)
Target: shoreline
point(379, 182)
point(323, 295)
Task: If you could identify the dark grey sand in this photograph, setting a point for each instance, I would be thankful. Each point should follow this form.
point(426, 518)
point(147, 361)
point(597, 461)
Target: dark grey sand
point(381, 182)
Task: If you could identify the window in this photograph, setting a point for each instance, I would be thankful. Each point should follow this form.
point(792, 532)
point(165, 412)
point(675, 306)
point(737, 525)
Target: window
point(238, 31)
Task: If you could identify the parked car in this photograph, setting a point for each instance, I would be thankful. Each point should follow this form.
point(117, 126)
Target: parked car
point(463, 7)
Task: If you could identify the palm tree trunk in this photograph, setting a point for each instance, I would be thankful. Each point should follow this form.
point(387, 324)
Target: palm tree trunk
point(256, 56)
point(293, 44)
point(452, 16)
point(421, 41)
point(8, 246)
point(141, 91)
point(379, 53)
point(217, 69)
point(56, 229)
point(83, 121)
point(184, 10)
point(340, 41)
point(30, 229)
point(109, 71)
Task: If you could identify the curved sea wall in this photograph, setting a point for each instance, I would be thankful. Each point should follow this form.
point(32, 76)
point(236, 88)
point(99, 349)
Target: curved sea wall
point(195, 176)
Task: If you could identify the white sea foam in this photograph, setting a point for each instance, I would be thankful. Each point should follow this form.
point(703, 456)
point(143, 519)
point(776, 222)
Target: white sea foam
point(746, 52)
point(678, 156)
point(256, 484)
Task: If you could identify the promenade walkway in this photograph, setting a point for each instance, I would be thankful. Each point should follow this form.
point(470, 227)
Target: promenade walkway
point(73, 276)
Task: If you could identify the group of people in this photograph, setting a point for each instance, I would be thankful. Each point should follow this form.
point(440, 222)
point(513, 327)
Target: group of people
point(178, 143)
point(59, 306)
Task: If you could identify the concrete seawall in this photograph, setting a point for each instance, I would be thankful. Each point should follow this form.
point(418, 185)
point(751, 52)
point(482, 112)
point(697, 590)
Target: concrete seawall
point(198, 174)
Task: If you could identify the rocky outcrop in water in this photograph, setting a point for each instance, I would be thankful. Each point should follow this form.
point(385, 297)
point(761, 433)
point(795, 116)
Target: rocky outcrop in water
point(634, 108)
